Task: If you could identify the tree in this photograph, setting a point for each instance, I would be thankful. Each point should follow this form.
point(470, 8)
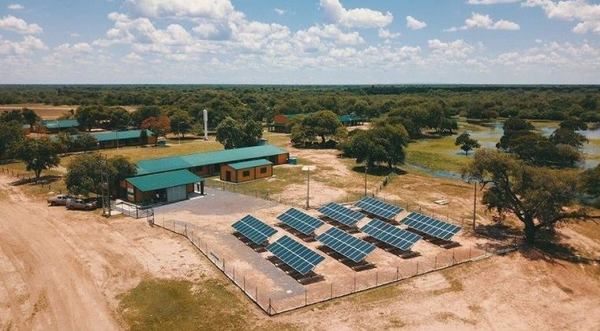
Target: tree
point(513, 127)
point(38, 154)
point(382, 144)
point(324, 123)
point(159, 125)
point(11, 134)
point(539, 197)
point(466, 143)
point(84, 173)
point(591, 181)
point(29, 116)
point(568, 136)
point(85, 142)
point(117, 118)
point(229, 133)
point(141, 114)
point(89, 117)
point(233, 134)
point(181, 122)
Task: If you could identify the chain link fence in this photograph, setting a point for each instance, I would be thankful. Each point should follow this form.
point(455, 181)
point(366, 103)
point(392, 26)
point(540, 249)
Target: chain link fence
point(273, 302)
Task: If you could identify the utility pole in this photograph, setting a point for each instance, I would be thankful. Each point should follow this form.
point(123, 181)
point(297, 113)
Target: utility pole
point(105, 188)
point(308, 169)
point(365, 178)
point(474, 204)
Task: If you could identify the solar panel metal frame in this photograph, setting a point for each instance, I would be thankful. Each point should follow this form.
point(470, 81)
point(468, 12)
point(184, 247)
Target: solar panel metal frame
point(378, 208)
point(431, 226)
point(295, 255)
point(344, 243)
point(300, 221)
point(254, 229)
point(390, 234)
point(341, 214)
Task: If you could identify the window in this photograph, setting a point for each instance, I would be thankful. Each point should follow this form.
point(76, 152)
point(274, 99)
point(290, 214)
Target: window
point(246, 173)
point(263, 170)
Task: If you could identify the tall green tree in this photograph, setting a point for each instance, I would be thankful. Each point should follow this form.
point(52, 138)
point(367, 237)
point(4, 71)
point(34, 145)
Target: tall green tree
point(466, 143)
point(539, 197)
point(381, 144)
point(11, 134)
point(233, 134)
point(38, 154)
point(181, 122)
point(84, 173)
point(90, 116)
point(29, 116)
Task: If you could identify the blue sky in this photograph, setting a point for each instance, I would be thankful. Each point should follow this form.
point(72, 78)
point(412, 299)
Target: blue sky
point(300, 42)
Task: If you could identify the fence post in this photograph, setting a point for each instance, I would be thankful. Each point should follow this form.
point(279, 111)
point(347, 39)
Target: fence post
point(354, 283)
point(244, 283)
point(435, 262)
point(376, 278)
point(305, 296)
point(417, 267)
point(331, 296)
point(256, 293)
point(269, 309)
point(397, 272)
point(470, 252)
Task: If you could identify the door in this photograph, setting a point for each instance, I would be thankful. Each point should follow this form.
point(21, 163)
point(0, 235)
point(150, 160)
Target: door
point(176, 193)
point(228, 175)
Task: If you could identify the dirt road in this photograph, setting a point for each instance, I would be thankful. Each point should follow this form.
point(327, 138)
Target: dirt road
point(63, 270)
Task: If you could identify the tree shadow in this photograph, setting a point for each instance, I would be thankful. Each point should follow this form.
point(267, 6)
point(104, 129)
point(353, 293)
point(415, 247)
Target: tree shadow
point(378, 170)
point(548, 249)
point(43, 180)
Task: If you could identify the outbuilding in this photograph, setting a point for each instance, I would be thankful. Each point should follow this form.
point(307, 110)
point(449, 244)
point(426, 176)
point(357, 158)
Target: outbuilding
point(164, 187)
point(245, 171)
point(52, 126)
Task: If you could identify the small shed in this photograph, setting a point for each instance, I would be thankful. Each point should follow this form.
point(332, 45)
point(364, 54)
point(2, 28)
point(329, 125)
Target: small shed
point(245, 171)
point(109, 139)
point(164, 187)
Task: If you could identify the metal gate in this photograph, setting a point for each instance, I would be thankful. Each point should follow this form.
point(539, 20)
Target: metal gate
point(176, 193)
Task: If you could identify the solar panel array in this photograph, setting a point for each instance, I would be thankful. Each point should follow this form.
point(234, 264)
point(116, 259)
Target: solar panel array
point(378, 207)
point(390, 234)
point(431, 226)
point(341, 214)
point(253, 229)
point(300, 221)
point(349, 246)
point(295, 255)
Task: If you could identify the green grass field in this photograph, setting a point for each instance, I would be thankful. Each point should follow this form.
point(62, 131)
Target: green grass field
point(157, 304)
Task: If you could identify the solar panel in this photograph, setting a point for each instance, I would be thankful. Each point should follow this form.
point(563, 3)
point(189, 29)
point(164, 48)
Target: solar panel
point(300, 221)
point(295, 255)
point(390, 234)
point(431, 226)
point(253, 229)
point(351, 247)
point(378, 207)
point(341, 214)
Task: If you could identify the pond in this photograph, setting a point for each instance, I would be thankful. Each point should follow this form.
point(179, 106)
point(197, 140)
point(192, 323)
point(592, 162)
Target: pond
point(441, 158)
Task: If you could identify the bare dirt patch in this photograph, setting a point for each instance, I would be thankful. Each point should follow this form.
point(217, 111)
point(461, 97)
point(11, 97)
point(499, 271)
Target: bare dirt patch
point(63, 270)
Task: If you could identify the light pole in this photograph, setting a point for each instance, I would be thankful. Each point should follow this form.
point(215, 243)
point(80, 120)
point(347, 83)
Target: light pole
point(308, 169)
point(365, 178)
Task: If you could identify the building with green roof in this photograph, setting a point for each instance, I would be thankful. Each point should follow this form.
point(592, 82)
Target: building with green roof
point(209, 163)
point(163, 187)
point(246, 171)
point(58, 125)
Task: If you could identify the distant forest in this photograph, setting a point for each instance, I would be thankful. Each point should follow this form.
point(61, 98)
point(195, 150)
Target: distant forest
point(261, 102)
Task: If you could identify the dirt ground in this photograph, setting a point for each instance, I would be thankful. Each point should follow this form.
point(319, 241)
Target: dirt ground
point(62, 270)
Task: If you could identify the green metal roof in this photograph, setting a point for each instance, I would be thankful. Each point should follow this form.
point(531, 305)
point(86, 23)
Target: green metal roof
point(164, 180)
point(249, 164)
point(119, 135)
point(350, 118)
point(208, 158)
point(60, 124)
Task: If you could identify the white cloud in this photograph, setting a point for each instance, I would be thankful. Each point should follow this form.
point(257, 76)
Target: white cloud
point(481, 21)
point(387, 34)
point(587, 15)
point(215, 9)
point(280, 11)
point(490, 2)
point(356, 17)
point(15, 6)
point(24, 47)
point(455, 49)
point(16, 24)
point(414, 24)
point(78, 48)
